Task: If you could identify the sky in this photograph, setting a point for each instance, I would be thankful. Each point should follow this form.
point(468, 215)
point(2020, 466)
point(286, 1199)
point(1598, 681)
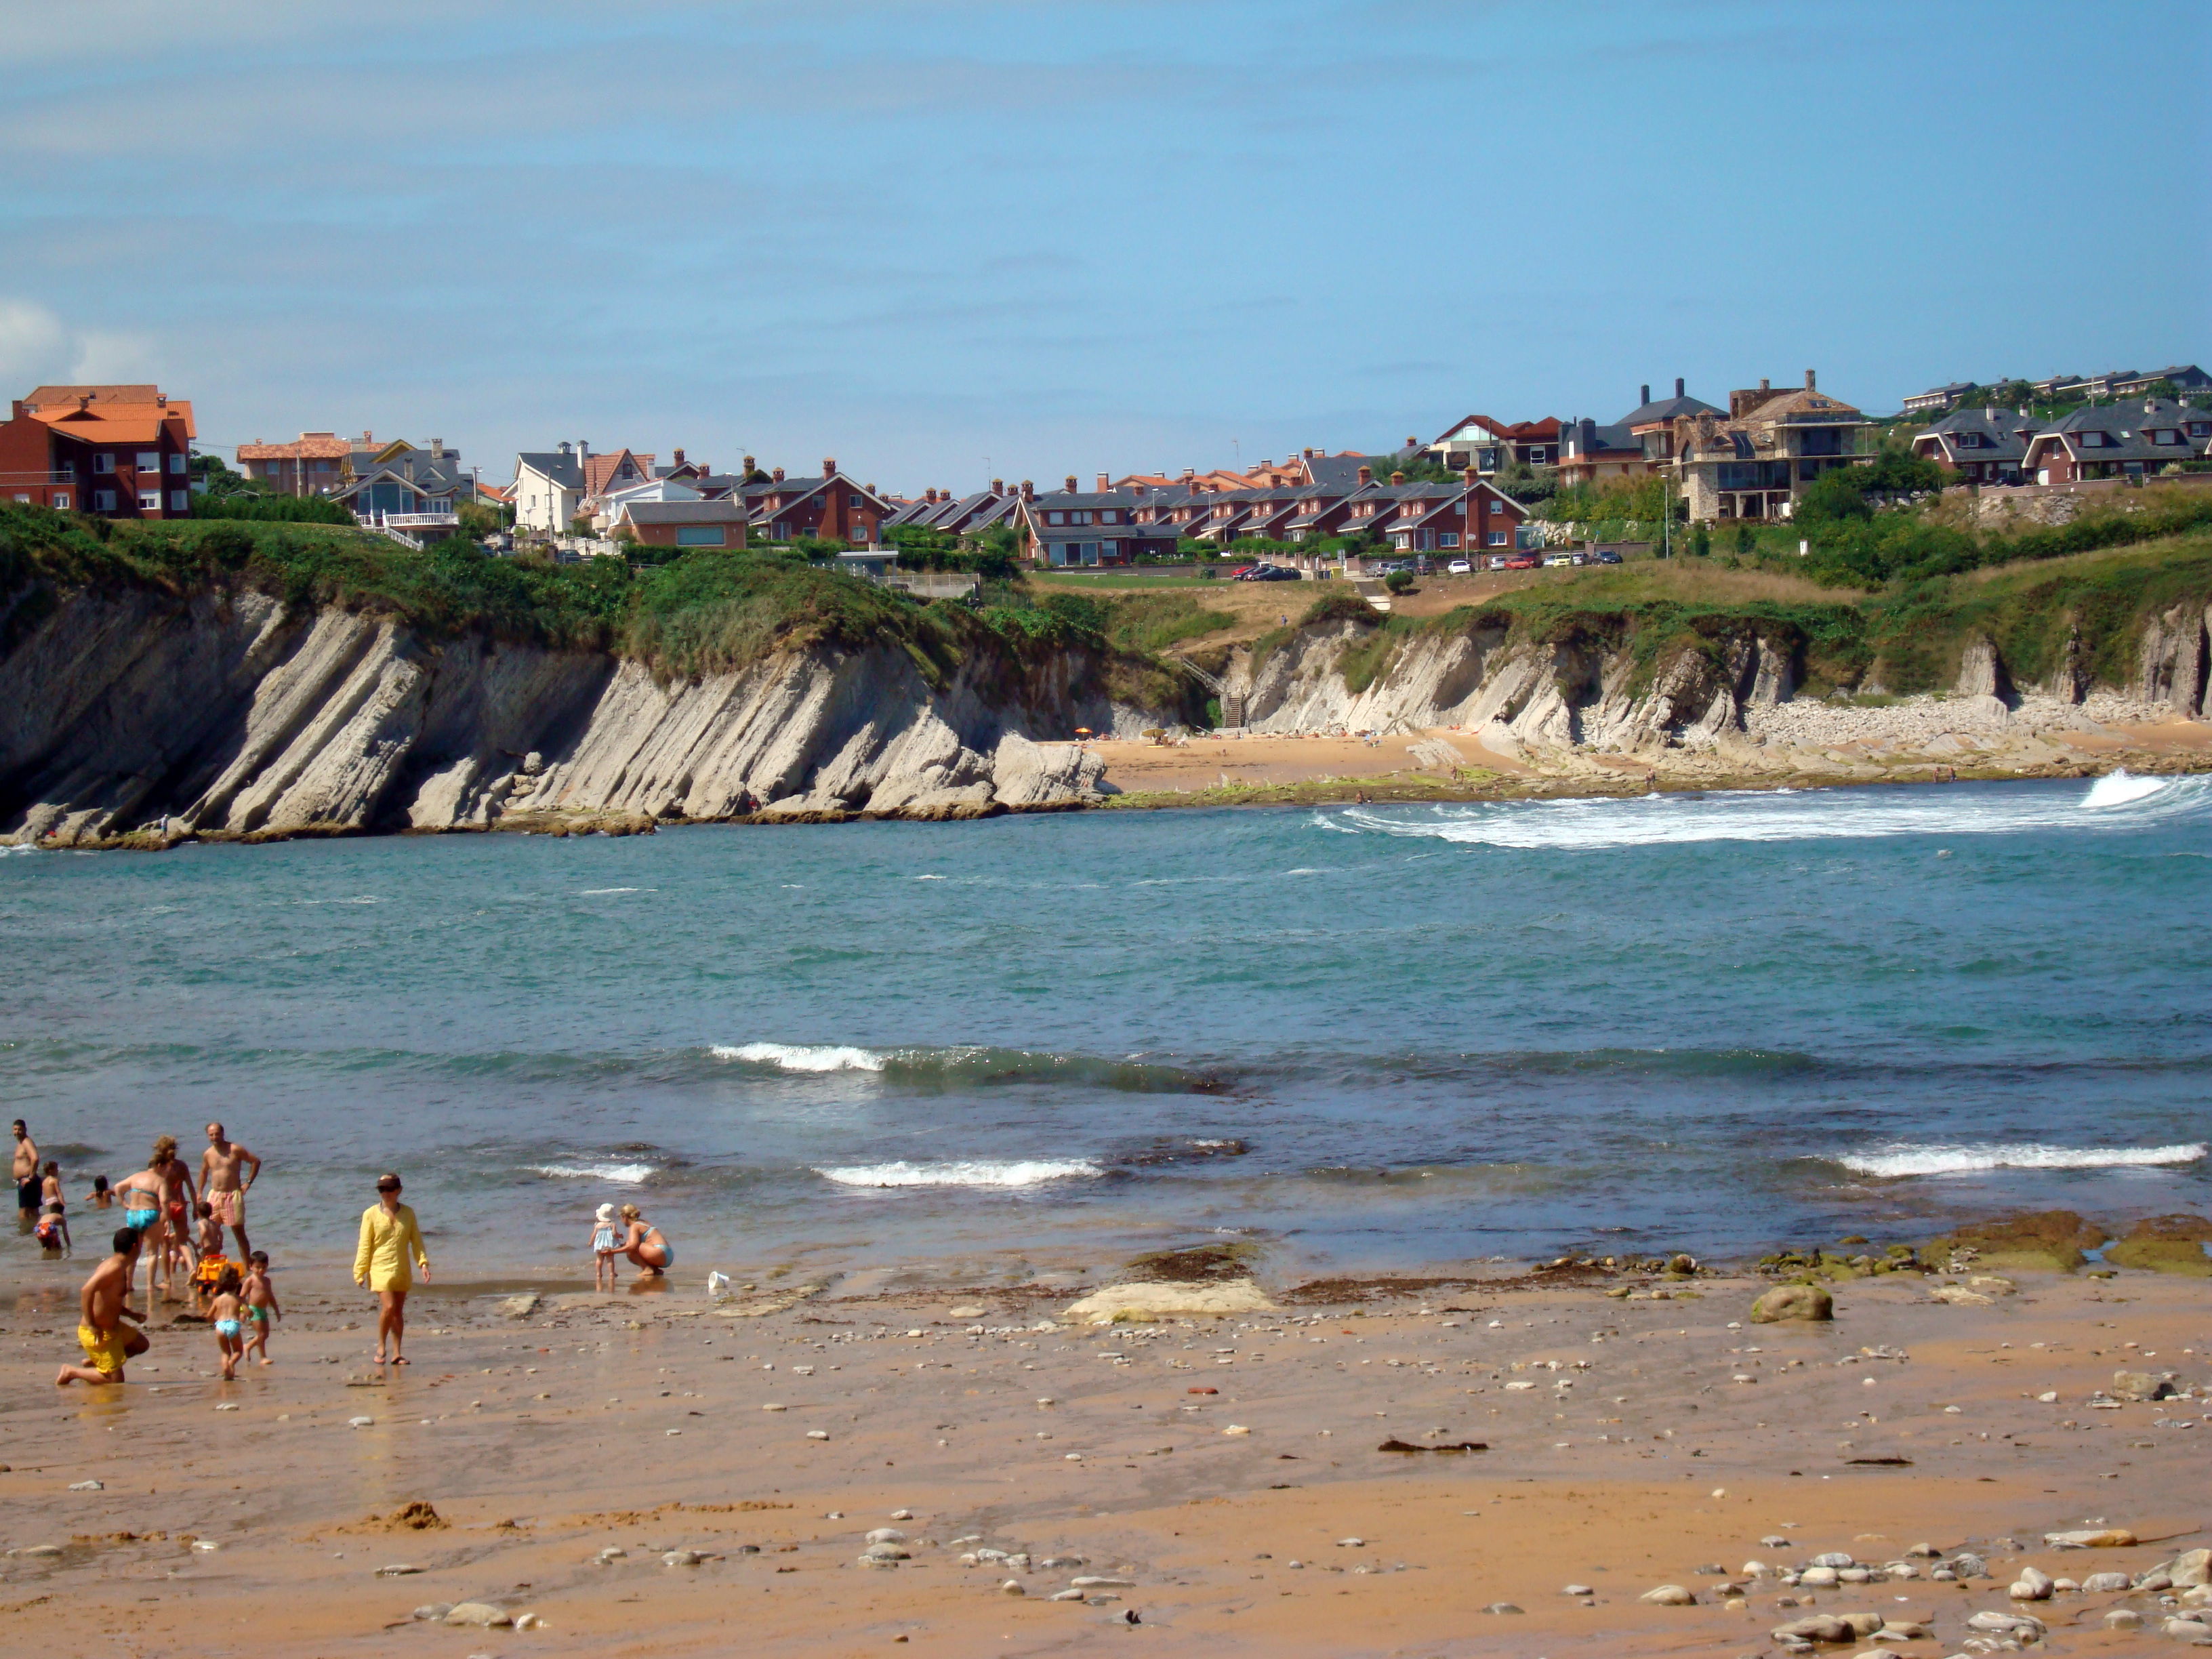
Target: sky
point(944, 241)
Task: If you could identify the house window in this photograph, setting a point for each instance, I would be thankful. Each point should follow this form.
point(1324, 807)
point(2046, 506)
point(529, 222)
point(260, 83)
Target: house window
point(103, 501)
point(1496, 538)
point(148, 461)
point(1109, 549)
point(701, 534)
point(149, 501)
point(62, 499)
point(1448, 538)
point(854, 501)
point(177, 500)
point(1109, 518)
point(103, 462)
point(177, 462)
point(1055, 518)
point(1079, 518)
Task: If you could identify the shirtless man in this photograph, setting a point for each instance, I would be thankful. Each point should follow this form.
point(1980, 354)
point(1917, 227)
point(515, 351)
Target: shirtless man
point(26, 1174)
point(219, 1168)
point(100, 1330)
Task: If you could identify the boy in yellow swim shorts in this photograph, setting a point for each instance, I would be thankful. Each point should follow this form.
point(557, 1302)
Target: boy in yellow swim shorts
point(100, 1330)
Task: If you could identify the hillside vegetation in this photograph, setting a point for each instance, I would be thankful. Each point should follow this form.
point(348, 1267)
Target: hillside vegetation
point(705, 612)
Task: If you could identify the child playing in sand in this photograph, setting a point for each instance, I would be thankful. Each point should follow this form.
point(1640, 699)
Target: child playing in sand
point(223, 1312)
point(208, 1242)
point(602, 1248)
point(258, 1297)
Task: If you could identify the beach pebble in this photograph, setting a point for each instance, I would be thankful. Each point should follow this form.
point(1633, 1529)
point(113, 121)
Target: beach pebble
point(1236, 1428)
point(771, 1405)
point(681, 1559)
point(1670, 1596)
point(2034, 1584)
point(88, 1486)
point(2123, 1619)
point(1576, 1589)
point(227, 1405)
point(2191, 1567)
point(1102, 1581)
point(901, 1515)
point(1066, 1595)
point(612, 1553)
point(2100, 1583)
point(2095, 1538)
point(817, 1434)
point(481, 1613)
point(1967, 1564)
point(886, 1535)
point(38, 1549)
point(1834, 1559)
point(528, 1621)
point(885, 1552)
point(1774, 1541)
point(431, 1612)
point(397, 1570)
point(2188, 1630)
point(966, 1310)
point(1352, 1543)
point(1819, 1578)
point(2018, 1625)
point(1012, 1587)
point(359, 1422)
point(1503, 1607)
point(519, 1307)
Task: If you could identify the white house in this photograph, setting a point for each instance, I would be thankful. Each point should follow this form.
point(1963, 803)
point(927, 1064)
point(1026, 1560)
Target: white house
point(549, 486)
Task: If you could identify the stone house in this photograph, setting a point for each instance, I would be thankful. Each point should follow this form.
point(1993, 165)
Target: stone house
point(1755, 464)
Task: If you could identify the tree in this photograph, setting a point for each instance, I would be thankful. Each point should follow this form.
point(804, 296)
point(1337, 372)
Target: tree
point(1837, 494)
point(1399, 581)
point(1701, 543)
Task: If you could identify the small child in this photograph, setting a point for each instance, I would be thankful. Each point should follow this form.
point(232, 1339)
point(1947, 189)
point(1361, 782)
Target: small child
point(208, 1244)
point(100, 1198)
point(223, 1311)
point(602, 1248)
point(53, 1211)
point(259, 1296)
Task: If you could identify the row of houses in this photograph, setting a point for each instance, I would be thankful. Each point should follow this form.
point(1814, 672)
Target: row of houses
point(2134, 439)
point(388, 480)
point(2186, 378)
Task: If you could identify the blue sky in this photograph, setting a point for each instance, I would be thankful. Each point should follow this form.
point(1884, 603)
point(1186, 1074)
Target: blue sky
point(945, 240)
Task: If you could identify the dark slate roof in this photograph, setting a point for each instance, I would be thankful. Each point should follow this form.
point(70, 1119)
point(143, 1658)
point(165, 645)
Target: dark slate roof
point(559, 465)
point(1666, 408)
point(2005, 432)
point(2126, 423)
point(1342, 472)
point(682, 512)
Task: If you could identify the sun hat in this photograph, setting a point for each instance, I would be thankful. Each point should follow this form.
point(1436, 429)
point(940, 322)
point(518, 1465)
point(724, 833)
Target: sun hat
point(606, 1213)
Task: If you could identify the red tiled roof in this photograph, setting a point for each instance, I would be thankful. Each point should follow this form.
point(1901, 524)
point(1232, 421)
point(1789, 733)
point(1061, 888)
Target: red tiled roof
point(136, 403)
point(309, 447)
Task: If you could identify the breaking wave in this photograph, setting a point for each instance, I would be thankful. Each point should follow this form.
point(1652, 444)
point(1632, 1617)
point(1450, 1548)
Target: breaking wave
point(981, 1172)
point(622, 1175)
point(2117, 801)
point(1896, 1161)
point(971, 1068)
point(800, 1057)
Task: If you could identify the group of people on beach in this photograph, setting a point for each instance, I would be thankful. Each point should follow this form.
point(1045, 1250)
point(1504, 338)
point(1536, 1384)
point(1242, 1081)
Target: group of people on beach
point(177, 1225)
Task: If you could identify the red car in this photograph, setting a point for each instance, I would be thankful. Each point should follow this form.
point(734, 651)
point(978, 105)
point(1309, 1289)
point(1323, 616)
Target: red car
point(1524, 562)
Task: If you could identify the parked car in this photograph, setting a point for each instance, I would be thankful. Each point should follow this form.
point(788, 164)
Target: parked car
point(1242, 572)
point(1554, 560)
point(1606, 555)
point(1500, 561)
point(1459, 568)
point(1273, 573)
point(1523, 561)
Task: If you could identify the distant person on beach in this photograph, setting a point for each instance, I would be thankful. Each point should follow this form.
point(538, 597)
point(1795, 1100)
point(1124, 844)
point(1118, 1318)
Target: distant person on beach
point(102, 1311)
point(141, 1192)
point(178, 1199)
point(223, 1313)
point(645, 1244)
point(390, 1248)
point(100, 1198)
point(27, 1174)
point(259, 1295)
point(208, 1241)
point(53, 1211)
point(602, 1248)
point(221, 1184)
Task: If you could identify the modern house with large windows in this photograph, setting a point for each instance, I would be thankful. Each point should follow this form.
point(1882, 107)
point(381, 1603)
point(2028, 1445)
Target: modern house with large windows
point(1755, 464)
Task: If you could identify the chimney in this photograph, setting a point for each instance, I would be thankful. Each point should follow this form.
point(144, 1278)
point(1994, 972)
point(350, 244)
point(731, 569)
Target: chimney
point(1809, 379)
point(1029, 490)
point(18, 408)
point(1190, 473)
point(1412, 443)
point(1397, 478)
point(1366, 476)
point(998, 486)
point(438, 449)
point(1141, 490)
point(679, 453)
point(160, 400)
point(1645, 398)
point(564, 446)
point(1678, 385)
point(1105, 485)
point(1071, 483)
point(828, 466)
point(777, 475)
point(747, 468)
point(366, 436)
point(1473, 478)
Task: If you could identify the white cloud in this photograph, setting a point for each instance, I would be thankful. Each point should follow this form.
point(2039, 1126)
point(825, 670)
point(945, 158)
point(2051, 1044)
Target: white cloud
point(37, 347)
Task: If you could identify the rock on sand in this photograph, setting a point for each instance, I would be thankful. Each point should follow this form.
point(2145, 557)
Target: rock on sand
point(1793, 1302)
point(1234, 1296)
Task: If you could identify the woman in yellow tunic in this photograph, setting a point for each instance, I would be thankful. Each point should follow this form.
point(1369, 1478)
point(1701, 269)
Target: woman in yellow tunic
point(390, 1248)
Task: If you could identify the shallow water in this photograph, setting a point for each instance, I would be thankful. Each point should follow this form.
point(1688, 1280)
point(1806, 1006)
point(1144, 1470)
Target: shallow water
point(1369, 1035)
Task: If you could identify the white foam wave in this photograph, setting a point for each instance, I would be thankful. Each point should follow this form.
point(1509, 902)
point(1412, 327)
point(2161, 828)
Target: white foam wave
point(929, 878)
point(2113, 803)
point(622, 1175)
point(597, 892)
point(800, 1057)
point(981, 1172)
point(1895, 1161)
point(8, 847)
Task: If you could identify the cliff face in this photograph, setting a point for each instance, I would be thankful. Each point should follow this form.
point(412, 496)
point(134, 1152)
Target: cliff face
point(138, 716)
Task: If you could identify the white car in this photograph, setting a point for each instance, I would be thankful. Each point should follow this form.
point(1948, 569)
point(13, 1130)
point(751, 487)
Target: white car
point(1558, 559)
point(1459, 568)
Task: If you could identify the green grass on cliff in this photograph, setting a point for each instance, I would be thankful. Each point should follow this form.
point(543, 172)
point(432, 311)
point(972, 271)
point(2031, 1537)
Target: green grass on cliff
point(702, 613)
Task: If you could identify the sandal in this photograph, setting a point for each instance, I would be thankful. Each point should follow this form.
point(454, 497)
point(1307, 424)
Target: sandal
point(401, 1359)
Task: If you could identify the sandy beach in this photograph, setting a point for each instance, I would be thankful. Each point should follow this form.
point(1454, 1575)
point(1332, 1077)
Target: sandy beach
point(1218, 1480)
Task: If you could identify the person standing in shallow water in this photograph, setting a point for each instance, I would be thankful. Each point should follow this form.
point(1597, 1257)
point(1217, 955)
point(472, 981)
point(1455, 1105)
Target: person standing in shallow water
point(390, 1248)
point(26, 1176)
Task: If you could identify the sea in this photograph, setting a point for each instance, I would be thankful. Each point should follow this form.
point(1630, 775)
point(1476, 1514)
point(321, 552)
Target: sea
point(1357, 1038)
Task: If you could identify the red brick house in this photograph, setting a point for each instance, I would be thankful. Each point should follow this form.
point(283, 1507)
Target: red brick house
point(1465, 520)
point(831, 508)
point(121, 451)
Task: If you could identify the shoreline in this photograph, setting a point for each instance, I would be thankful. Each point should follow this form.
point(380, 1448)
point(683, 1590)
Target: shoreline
point(632, 1473)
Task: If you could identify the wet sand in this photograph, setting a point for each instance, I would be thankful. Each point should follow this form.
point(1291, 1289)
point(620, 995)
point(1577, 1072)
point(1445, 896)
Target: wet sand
point(1670, 1437)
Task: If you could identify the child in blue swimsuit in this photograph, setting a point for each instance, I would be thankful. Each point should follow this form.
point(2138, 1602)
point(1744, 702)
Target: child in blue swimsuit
point(223, 1312)
point(602, 1248)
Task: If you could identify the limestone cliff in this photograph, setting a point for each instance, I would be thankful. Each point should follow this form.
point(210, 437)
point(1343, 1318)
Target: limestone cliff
point(137, 716)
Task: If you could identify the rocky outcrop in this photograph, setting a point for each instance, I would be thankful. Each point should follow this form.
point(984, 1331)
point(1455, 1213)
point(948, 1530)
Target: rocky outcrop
point(2172, 658)
point(140, 717)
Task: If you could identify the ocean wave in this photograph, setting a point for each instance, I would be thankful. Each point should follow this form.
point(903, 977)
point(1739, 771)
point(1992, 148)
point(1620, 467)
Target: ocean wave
point(624, 1174)
point(800, 1057)
point(980, 1172)
point(1896, 1161)
point(2117, 801)
point(599, 892)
